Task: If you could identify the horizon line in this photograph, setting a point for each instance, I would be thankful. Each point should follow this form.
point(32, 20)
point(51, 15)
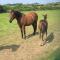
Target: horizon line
point(29, 3)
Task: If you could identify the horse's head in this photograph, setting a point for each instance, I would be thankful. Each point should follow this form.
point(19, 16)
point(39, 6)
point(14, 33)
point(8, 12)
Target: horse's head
point(45, 16)
point(12, 15)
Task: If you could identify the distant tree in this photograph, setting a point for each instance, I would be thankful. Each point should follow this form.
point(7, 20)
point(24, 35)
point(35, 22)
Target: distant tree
point(2, 9)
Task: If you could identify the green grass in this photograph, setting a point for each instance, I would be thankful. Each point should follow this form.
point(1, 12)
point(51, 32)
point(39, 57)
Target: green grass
point(55, 55)
point(5, 26)
point(53, 17)
point(10, 32)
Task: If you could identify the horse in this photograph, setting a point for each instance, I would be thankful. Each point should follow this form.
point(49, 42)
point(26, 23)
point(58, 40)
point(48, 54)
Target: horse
point(43, 26)
point(24, 20)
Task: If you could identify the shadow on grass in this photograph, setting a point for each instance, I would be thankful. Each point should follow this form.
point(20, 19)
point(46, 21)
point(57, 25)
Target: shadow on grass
point(48, 39)
point(13, 47)
point(31, 35)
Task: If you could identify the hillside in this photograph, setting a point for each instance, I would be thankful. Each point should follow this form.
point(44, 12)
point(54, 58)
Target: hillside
point(30, 7)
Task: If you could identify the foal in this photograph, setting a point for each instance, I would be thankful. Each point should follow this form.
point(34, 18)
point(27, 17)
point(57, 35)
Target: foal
point(43, 26)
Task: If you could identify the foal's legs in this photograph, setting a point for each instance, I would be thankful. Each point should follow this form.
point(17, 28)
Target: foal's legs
point(46, 33)
point(42, 36)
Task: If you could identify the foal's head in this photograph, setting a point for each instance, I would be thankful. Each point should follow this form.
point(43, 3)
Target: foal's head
point(14, 14)
point(45, 16)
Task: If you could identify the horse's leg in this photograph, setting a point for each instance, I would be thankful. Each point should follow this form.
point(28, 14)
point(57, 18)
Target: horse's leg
point(34, 27)
point(42, 36)
point(46, 33)
point(24, 33)
point(46, 36)
point(21, 32)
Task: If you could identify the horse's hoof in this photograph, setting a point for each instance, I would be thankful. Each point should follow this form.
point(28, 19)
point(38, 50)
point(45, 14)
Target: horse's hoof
point(25, 38)
point(42, 40)
point(42, 45)
point(33, 33)
point(22, 37)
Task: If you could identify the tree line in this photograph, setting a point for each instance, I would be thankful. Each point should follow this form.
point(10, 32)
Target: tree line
point(29, 7)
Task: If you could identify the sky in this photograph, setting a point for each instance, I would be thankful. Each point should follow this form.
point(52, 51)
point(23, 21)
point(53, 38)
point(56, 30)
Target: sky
point(27, 1)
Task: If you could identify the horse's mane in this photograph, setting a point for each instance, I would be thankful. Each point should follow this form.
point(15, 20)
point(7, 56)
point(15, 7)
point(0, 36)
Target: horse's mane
point(18, 14)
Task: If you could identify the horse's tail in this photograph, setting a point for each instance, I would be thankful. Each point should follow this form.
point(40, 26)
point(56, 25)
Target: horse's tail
point(36, 17)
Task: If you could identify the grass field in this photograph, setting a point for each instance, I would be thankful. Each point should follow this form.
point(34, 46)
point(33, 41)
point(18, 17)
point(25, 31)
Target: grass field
point(12, 47)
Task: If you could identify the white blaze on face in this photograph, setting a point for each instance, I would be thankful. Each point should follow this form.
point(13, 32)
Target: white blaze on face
point(12, 15)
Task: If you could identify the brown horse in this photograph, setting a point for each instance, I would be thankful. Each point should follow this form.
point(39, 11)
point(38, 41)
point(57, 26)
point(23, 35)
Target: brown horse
point(43, 26)
point(24, 20)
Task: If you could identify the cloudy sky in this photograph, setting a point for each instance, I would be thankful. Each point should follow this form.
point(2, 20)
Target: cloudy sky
point(27, 1)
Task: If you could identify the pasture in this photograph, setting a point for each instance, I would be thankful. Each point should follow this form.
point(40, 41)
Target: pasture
point(13, 47)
